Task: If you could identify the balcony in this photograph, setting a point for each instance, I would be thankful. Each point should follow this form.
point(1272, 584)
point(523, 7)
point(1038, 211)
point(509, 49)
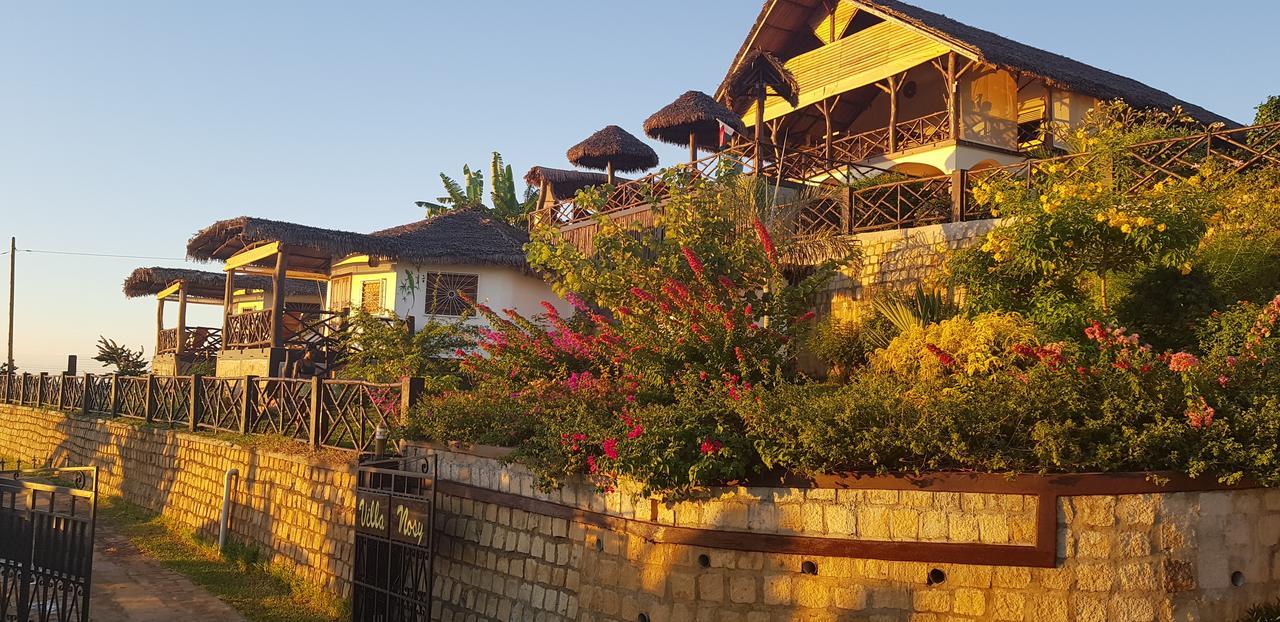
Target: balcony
point(300, 329)
point(197, 341)
point(913, 202)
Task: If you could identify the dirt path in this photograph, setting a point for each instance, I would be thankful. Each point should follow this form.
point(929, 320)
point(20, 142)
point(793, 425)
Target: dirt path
point(128, 587)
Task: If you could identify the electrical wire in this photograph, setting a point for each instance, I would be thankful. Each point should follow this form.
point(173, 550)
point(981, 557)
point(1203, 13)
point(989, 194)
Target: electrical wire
point(82, 254)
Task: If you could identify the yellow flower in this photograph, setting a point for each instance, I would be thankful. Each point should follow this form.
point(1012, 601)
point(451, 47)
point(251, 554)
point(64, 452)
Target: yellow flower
point(1100, 217)
point(1126, 228)
point(1185, 268)
point(1161, 227)
point(1194, 180)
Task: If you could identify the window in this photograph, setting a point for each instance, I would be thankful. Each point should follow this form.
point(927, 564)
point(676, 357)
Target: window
point(371, 296)
point(340, 293)
point(447, 294)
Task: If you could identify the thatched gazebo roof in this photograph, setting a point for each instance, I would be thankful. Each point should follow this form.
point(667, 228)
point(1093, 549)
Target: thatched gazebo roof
point(693, 115)
point(760, 68)
point(203, 284)
point(461, 236)
point(613, 148)
point(565, 183)
point(225, 238)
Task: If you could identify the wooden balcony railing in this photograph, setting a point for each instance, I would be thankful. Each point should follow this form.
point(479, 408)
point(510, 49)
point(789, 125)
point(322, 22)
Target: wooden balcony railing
point(919, 132)
point(930, 200)
point(251, 329)
point(200, 341)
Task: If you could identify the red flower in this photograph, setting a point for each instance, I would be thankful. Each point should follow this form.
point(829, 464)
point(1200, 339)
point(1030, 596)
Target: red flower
point(806, 316)
point(1182, 361)
point(610, 448)
point(691, 258)
point(943, 356)
point(710, 446)
point(591, 464)
point(727, 283)
point(635, 432)
point(1200, 414)
point(766, 241)
point(641, 294)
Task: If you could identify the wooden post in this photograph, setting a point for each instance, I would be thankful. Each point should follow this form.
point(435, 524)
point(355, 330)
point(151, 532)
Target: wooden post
point(227, 296)
point(71, 364)
point(84, 400)
point(608, 172)
point(959, 194)
point(193, 403)
point(246, 403)
point(953, 97)
point(410, 392)
point(115, 395)
point(893, 114)
point(182, 326)
point(693, 146)
point(62, 390)
point(761, 95)
point(825, 107)
point(159, 322)
point(314, 434)
point(149, 399)
point(41, 382)
point(13, 264)
point(1048, 117)
point(277, 299)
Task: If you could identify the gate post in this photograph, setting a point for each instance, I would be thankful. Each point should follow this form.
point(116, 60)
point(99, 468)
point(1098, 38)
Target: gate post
point(42, 381)
point(314, 434)
point(246, 403)
point(22, 391)
point(149, 399)
point(193, 403)
point(410, 391)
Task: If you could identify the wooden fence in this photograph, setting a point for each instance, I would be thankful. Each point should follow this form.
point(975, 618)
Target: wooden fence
point(341, 414)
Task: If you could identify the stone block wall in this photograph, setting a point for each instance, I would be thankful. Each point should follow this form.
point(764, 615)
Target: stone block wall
point(297, 510)
point(507, 551)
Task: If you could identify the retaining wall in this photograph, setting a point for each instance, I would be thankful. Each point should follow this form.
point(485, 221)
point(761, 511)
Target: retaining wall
point(943, 547)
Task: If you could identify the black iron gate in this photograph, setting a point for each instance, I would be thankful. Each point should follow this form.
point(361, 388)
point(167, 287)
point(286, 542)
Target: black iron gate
point(395, 537)
point(46, 544)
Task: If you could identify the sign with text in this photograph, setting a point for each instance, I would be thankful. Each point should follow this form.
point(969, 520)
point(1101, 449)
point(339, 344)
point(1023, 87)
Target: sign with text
point(373, 513)
point(410, 520)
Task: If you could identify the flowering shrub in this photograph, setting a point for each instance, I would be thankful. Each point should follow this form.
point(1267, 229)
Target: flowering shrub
point(970, 346)
point(668, 332)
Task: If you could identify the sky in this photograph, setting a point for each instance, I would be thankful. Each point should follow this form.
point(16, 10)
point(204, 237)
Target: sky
point(127, 126)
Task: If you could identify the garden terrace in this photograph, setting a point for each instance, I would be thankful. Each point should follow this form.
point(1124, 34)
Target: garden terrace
point(915, 201)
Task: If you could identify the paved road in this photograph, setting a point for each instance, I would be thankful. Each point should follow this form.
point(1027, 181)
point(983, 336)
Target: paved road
point(128, 587)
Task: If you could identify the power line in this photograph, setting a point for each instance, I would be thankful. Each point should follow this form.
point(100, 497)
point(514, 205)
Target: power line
point(115, 255)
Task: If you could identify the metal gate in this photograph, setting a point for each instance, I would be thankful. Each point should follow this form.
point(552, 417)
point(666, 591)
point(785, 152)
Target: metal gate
point(395, 537)
point(46, 544)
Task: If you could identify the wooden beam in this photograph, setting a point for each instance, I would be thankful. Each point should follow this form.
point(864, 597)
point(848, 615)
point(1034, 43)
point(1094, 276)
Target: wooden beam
point(277, 300)
point(1048, 129)
point(182, 325)
point(159, 322)
point(297, 275)
point(228, 297)
point(251, 255)
point(953, 97)
point(170, 290)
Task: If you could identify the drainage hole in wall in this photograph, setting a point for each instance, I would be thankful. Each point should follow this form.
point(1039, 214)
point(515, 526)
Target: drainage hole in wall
point(704, 561)
point(644, 617)
point(808, 567)
point(936, 577)
point(599, 543)
point(1237, 578)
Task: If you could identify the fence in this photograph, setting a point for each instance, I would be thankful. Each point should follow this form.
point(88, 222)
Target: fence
point(342, 414)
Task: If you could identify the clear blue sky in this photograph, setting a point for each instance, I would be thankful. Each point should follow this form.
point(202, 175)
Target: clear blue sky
point(127, 126)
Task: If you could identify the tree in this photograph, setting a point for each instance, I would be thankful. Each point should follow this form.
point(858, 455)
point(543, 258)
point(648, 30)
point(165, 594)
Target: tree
point(1268, 111)
point(126, 361)
point(383, 350)
point(504, 202)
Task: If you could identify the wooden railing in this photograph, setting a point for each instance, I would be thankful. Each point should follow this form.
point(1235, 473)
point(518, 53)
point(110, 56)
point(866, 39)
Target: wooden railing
point(198, 341)
point(251, 329)
point(339, 414)
point(948, 198)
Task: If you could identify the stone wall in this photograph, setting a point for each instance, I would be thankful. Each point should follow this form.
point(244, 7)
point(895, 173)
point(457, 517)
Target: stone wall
point(1126, 557)
point(295, 508)
point(507, 551)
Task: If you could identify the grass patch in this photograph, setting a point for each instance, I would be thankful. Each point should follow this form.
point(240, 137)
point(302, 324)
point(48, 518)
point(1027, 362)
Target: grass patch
point(259, 591)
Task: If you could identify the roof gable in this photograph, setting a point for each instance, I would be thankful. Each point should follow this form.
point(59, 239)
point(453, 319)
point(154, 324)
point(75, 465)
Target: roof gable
point(779, 20)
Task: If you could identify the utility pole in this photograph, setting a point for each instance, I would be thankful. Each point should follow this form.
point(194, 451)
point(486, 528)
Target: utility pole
point(13, 252)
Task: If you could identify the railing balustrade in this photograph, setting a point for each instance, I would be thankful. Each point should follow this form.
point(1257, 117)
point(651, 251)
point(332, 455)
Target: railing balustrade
point(339, 414)
point(251, 329)
point(922, 200)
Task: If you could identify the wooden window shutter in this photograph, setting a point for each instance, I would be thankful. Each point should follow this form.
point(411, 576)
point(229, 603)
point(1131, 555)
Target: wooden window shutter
point(371, 296)
point(340, 293)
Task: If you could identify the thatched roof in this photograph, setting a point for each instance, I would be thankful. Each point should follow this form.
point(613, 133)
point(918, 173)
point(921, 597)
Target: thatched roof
point(757, 68)
point(461, 236)
point(469, 235)
point(695, 112)
point(566, 183)
point(613, 144)
point(203, 283)
point(225, 238)
point(780, 19)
